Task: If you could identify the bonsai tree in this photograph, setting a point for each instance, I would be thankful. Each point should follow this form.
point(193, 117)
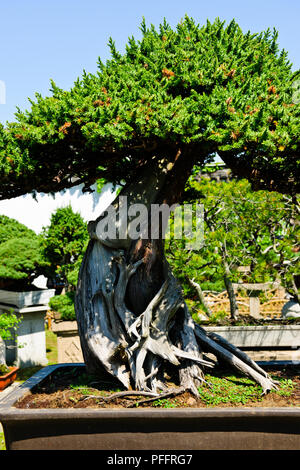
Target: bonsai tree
point(171, 101)
point(21, 259)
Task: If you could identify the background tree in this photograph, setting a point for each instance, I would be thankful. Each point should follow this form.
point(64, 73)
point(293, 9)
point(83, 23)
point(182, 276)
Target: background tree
point(279, 244)
point(63, 244)
point(171, 101)
point(242, 227)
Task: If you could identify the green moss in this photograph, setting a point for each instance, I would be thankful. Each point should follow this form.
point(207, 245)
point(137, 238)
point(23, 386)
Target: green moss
point(234, 390)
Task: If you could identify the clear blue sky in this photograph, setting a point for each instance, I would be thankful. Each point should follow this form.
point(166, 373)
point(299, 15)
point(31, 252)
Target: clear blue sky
point(43, 39)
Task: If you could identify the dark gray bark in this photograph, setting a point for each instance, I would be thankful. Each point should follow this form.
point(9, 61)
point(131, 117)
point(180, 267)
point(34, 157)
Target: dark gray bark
point(234, 311)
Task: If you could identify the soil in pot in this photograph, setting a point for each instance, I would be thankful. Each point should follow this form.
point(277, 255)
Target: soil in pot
point(248, 320)
point(76, 389)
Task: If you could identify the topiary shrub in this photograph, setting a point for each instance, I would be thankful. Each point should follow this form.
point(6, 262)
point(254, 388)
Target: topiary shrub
point(21, 258)
point(21, 261)
point(11, 228)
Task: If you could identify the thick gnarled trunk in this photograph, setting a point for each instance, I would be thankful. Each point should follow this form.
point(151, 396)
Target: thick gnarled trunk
point(131, 315)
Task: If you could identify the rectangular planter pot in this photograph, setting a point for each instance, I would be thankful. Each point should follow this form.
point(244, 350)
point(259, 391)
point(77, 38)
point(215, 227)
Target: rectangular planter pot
point(8, 378)
point(272, 336)
point(145, 429)
point(25, 299)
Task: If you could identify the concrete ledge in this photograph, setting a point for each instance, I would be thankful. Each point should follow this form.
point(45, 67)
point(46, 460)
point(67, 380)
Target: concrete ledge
point(276, 355)
point(281, 336)
point(26, 298)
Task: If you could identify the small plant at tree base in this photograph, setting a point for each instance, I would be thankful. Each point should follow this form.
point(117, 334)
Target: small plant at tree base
point(286, 388)
point(165, 403)
point(234, 390)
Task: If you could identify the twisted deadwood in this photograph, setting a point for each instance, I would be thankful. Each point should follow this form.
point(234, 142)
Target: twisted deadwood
point(135, 344)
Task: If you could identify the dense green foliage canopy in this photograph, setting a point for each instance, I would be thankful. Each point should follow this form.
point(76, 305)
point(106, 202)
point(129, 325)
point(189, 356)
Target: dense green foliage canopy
point(196, 89)
point(11, 228)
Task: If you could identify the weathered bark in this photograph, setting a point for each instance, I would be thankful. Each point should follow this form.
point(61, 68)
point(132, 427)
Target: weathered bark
point(234, 311)
point(132, 318)
point(295, 290)
point(201, 296)
point(232, 298)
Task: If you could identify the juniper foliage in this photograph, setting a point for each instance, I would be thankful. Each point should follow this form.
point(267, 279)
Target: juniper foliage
point(210, 88)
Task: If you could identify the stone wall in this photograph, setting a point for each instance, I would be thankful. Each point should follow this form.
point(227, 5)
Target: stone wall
point(68, 342)
point(28, 346)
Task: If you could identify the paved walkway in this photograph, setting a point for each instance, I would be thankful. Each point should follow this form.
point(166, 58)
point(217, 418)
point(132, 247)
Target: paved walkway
point(5, 392)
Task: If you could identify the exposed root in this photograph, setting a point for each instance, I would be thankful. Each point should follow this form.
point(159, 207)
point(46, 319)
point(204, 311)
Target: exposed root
point(170, 393)
point(134, 348)
point(132, 393)
point(124, 394)
point(225, 352)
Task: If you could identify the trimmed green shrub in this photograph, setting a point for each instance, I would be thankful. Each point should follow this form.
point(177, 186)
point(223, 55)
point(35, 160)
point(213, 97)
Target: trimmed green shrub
point(21, 258)
point(21, 261)
point(64, 304)
point(11, 228)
